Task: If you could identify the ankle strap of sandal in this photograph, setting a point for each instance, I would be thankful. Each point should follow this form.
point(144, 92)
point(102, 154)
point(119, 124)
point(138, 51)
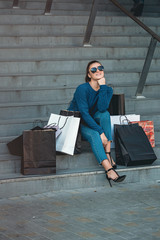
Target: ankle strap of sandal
point(109, 170)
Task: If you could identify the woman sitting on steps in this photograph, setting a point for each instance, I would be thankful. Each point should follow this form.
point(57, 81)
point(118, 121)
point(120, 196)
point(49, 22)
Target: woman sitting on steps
point(92, 100)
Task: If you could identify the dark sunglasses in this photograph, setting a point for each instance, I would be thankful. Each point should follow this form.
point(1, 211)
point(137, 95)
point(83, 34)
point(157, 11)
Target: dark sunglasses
point(94, 69)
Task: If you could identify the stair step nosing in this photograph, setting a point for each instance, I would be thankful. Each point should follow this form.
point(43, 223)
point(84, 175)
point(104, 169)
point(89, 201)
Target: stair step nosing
point(35, 178)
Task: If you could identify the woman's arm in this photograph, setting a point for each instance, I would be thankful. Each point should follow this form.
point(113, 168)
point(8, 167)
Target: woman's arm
point(105, 95)
point(104, 139)
point(82, 102)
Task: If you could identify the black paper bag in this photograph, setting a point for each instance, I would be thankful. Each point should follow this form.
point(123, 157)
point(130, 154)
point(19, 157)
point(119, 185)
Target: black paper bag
point(117, 105)
point(132, 146)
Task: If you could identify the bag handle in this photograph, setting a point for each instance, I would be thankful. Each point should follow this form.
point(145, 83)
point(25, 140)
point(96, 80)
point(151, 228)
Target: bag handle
point(122, 121)
point(54, 125)
point(63, 124)
point(38, 122)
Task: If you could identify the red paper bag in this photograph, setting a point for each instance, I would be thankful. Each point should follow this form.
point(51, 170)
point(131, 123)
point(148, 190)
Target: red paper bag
point(148, 127)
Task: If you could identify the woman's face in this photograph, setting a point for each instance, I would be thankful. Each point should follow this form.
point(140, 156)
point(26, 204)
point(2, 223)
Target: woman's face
point(94, 73)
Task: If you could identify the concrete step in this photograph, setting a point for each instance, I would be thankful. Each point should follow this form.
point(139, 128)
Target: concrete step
point(59, 8)
point(86, 147)
point(113, 12)
point(38, 12)
point(61, 41)
point(151, 14)
point(20, 11)
point(144, 105)
point(49, 80)
point(74, 30)
point(9, 164)
point(86, 159)
point(34, 109)
point(77, 6)
point(12, 164)
point(72, 20)
point(36, 54)
point(33, 94)
point(149, 91)
point(37, 5)
point(43, 109)
point(46, 67)
point(63, 80)
point(16, 126)
point(127, 2)
point(65, 164)
point(17, 185)
point(62, 12)
point(129, 41)
point(54, 94)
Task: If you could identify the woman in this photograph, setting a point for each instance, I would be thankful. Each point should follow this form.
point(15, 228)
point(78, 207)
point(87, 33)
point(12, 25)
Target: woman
point(92, 100)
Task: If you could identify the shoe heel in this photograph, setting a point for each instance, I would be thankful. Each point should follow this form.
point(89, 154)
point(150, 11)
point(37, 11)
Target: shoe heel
point(109, 180)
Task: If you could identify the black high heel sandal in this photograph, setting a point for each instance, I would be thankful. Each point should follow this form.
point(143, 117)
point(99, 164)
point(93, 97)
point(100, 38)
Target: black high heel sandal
point(111, 160)
point(117, 179)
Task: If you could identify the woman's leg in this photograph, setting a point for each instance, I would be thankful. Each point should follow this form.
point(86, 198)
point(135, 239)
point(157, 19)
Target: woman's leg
point(103, 119)
point(94, 139)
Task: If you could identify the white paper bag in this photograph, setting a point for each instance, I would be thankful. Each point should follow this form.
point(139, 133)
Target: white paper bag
point(69, 126)
point(121, 119)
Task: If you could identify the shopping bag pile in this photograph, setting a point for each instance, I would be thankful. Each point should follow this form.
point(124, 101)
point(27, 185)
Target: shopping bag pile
point(132, 144)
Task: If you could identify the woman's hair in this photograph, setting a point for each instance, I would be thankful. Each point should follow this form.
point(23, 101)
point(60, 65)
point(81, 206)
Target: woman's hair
point(88, 79)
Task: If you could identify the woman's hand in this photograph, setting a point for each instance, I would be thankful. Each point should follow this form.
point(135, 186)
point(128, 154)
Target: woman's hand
point(104, 139)
point(102, 81)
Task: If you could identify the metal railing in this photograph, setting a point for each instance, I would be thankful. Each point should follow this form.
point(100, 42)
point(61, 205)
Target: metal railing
point(48, 7)
point(151, 48)
point(47, 10)
point(15, 4)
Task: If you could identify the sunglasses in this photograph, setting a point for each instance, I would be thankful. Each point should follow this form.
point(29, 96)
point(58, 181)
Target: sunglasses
point(94, 69)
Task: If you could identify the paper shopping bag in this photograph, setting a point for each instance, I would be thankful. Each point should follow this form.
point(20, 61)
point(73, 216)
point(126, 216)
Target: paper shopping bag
point(78, 144)
point(39, 152)
point(132, 146)
point(148, 127)
point(117, 105)
point(122, 119)
point(16, 145)
point(69, 126)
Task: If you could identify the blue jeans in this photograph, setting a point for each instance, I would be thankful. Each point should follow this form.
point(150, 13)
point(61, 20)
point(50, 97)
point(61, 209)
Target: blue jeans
point(93, 137)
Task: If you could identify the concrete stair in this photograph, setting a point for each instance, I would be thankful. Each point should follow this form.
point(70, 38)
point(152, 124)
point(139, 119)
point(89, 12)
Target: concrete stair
point(42, 61)
point(80, 8)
